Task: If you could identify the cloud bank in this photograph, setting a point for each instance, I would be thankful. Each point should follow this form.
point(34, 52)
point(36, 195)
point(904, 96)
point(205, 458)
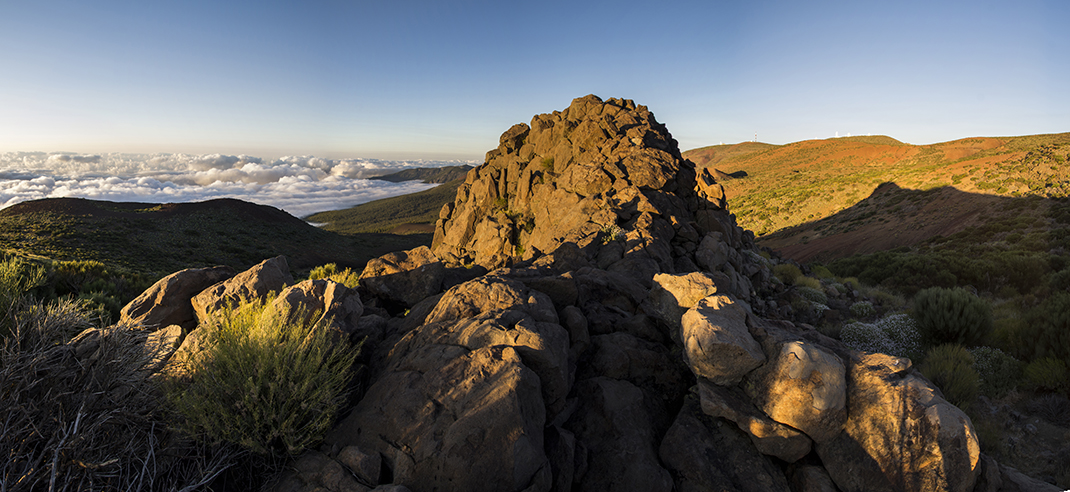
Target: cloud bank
point(300, 185)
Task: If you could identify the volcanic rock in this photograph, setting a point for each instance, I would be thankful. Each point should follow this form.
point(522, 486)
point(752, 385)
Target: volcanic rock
point(256, 283)
point(167, 302)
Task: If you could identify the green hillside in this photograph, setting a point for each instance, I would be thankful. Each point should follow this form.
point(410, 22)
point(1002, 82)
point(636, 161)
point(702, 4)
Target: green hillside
point(388, 214)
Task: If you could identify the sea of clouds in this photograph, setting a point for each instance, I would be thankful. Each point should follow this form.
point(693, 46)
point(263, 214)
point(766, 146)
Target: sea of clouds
point(299, 185)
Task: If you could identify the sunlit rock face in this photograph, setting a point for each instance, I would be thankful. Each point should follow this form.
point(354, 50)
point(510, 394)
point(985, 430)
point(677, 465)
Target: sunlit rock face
point(803, 386)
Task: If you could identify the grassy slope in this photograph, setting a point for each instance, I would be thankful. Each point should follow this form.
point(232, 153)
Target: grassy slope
point(161, 239)
point(390, 213)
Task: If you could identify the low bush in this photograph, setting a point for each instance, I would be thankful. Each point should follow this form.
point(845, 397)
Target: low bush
point(812, 294)
point(1047, 328)
point(1053, 408)
point(1046, 374)
point(865, 336)
point(904, 334)
point(346, 277)
point(17, 277)
point(787, 273)
point(950, 368)
point(267, 381)
point(952, 316)
point(808, 282)
point(998, 371)
point(863, 309)
point(895, 335)
point(820, 271)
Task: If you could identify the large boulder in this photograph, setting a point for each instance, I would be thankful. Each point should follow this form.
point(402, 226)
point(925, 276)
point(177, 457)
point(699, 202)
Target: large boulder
point(406, 277)
point(673, 294)
point(492, 293)
point(542, 346)
point(900, 435)
point(167, 302)
point(802, 385)
point(256, 283)
point(717, 343)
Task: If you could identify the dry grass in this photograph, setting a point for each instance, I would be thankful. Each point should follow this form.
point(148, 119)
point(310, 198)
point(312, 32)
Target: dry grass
point(84, 414)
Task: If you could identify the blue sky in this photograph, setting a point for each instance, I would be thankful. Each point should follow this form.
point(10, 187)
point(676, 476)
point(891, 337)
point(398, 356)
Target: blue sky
point(441, 80)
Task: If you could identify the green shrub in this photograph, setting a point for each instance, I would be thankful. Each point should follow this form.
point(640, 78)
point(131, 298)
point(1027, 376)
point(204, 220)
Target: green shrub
point(1046, 374)
point(106, 306)
point(323, 271)
point(950, 368)
point(863, 309)
point(787, 273)
point(821, 272)
point(1060, 280)
point(17, 277)
point(853, 283)
point(1047, 328)
point(612, 232)
point(267, 380)
point(952, 316)
point(346, 277)
point(998, 372)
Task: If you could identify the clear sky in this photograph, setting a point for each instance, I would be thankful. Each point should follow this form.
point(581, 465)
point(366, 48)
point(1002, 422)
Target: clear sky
point(443, 79)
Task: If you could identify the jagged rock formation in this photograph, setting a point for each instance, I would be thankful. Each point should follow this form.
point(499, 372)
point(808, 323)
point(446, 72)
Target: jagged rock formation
point(592, 319)
point(606, 177)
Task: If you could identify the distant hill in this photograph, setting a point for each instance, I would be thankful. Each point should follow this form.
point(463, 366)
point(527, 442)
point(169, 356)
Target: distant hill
point(428, 174)
point(794, 184)
point(163, 238)
point(412, 213)
point(715, 154)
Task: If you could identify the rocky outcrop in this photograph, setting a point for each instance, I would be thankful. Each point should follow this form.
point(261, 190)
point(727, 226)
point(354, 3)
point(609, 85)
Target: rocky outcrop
point(589, 317)
point(604, 176)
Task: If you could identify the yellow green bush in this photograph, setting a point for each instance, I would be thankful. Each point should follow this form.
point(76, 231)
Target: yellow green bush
point(1047, 374)
point(267, 380)
point(950, 368)
point(346, 277)
point(810, 282)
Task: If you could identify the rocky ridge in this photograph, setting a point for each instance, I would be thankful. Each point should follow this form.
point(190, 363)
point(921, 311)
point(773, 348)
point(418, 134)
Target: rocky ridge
point(590, 317)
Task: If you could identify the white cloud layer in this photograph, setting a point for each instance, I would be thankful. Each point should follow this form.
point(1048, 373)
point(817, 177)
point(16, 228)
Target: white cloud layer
point(300, 185)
